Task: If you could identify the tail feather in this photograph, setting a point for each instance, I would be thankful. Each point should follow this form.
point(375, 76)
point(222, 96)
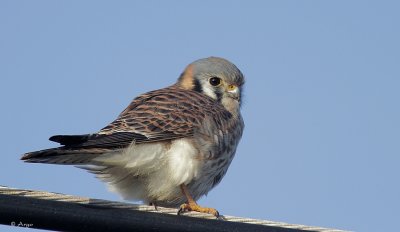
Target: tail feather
point(77, 149)
point(62, 156)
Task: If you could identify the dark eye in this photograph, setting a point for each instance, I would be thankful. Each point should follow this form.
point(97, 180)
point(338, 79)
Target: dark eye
point(215, 81)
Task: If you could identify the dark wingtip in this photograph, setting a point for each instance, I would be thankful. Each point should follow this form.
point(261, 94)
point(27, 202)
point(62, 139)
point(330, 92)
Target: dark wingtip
point(69, 139)
point(56, 138)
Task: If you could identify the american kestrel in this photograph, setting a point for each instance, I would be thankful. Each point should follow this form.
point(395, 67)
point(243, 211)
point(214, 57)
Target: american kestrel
point(170, 146)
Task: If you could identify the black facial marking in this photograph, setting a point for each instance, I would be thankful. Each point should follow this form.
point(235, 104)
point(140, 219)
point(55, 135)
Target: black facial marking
point(197, 86)
point(219, 94)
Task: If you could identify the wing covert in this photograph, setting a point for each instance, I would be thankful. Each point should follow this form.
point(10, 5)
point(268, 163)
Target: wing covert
point(166, 114)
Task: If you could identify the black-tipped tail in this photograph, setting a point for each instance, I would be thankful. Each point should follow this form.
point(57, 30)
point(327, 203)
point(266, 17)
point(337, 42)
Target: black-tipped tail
point(61, 156)
point(81, 149)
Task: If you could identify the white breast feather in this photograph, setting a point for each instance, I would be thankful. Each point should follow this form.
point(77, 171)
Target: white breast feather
point(162, 169)
point(182, 160)
point(180, 167)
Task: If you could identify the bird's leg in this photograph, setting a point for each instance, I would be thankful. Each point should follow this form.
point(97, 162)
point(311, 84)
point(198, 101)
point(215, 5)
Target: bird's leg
point(193, 206)
point(154, 204)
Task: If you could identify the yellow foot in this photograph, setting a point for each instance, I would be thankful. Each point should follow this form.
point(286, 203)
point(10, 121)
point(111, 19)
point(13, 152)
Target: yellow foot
point(197, 208)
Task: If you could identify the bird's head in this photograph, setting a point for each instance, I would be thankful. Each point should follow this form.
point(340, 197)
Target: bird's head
point(217, 78)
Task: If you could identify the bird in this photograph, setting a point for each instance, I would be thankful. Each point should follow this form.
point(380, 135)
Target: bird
point(170, 146)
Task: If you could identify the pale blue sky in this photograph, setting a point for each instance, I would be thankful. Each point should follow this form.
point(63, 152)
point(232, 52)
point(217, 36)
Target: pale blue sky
point(322, 139)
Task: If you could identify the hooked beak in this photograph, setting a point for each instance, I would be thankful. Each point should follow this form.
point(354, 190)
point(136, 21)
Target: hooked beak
point(233, 92)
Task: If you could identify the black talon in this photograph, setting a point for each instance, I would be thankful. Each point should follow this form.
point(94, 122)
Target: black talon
point(180, 211)
point(221, 218)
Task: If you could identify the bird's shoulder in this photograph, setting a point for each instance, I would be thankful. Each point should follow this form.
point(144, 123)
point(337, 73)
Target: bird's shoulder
point(167, 113)
point(173, 98)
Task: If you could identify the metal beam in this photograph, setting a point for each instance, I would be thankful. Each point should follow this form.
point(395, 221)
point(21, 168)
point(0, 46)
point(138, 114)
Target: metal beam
point(67, 216)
